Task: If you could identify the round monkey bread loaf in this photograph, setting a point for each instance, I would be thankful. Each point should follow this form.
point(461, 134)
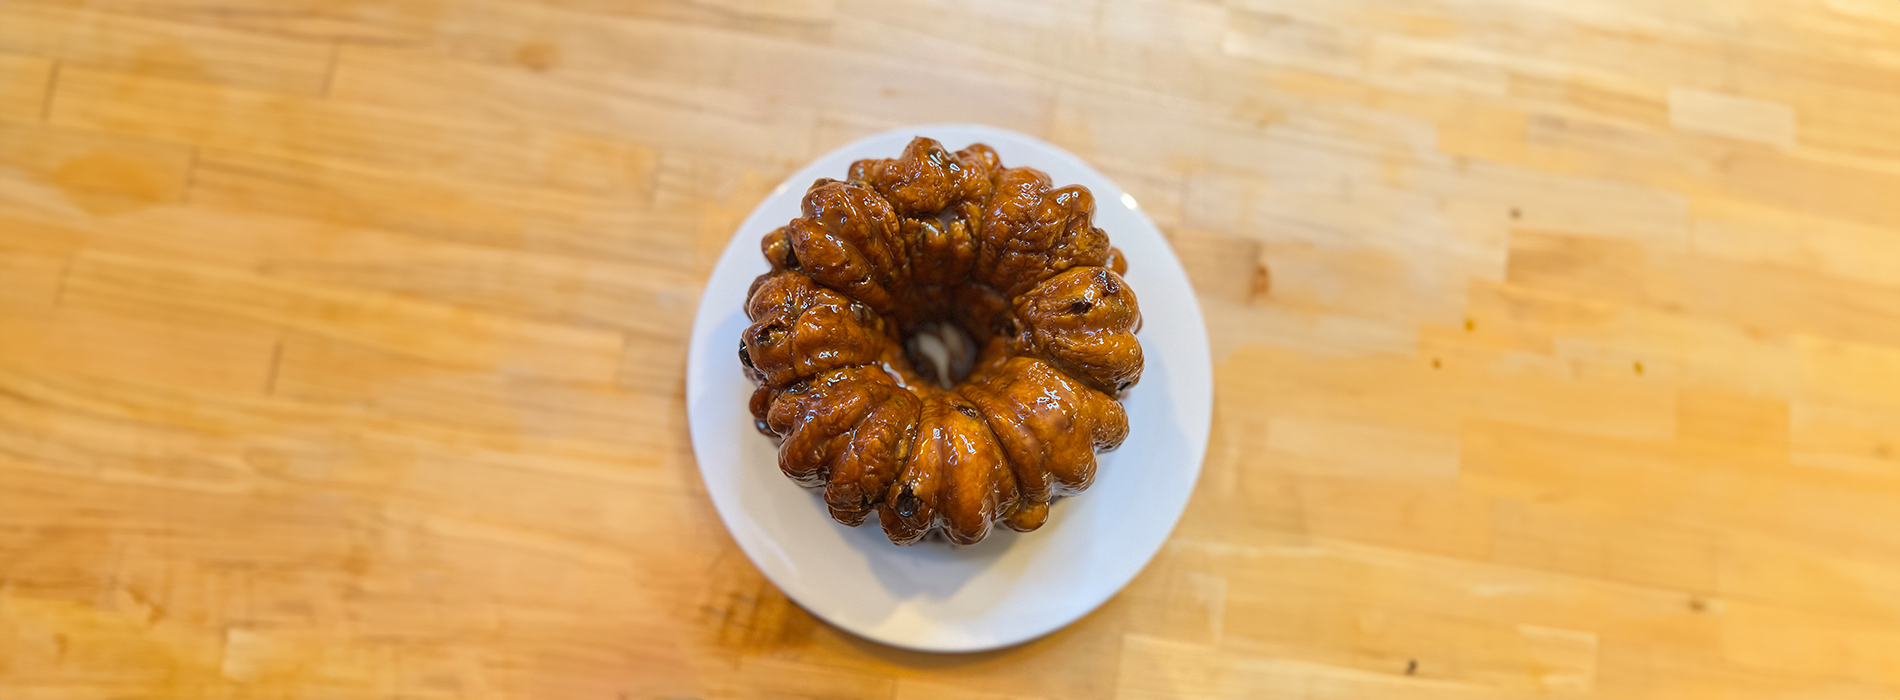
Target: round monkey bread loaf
point(957, 246)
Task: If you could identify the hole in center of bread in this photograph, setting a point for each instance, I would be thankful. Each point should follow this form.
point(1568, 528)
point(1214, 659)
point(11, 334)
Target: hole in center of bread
point(941, 351)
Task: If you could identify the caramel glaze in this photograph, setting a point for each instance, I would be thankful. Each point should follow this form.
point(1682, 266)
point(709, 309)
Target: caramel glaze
point(928, 236)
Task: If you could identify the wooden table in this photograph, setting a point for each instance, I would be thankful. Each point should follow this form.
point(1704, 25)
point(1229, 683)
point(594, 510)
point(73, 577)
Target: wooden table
point(1557, 343)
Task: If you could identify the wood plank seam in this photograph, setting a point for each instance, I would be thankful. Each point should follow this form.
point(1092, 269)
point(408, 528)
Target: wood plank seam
point(276, 362)
point(46, 103)
point(329, 73)
point(191, 176)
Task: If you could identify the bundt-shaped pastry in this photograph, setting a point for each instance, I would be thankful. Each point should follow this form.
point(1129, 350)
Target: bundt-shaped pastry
point(918, 243)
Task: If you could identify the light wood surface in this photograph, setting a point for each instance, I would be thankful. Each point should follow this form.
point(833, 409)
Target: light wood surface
point(342, 343)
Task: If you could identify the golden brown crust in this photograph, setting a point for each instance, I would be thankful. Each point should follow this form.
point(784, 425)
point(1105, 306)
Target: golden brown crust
point(1027, 515)
point(906, 242)
point(1032, 231)
point(848, 240)
point(926, 179)
point(956, 479)
point(1083, 321)
point(761, 406)
point(1117, 261)
point(1050, 425)
point(981, 311)
point(800, 330)
point(777, 247)
point(849, 430)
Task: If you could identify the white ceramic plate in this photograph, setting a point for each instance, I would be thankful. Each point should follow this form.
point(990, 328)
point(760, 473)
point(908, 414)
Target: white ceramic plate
point(1011, 587)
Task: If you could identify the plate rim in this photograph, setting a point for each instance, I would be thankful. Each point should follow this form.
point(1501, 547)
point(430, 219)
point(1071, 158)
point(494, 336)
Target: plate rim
point(704, 320)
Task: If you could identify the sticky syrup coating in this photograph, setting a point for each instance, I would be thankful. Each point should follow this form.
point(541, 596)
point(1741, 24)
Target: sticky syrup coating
point(927, 237)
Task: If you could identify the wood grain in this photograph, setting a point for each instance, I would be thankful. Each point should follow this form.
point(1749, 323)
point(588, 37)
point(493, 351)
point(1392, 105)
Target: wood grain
point(342, 344)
